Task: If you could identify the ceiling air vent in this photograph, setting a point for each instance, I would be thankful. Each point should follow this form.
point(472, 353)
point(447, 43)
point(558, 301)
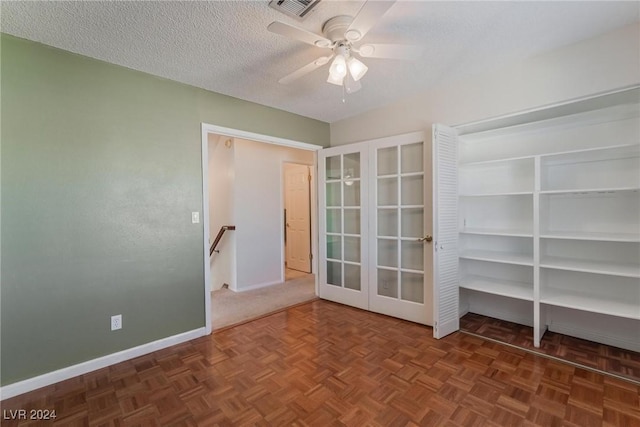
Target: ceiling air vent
point(298, 9)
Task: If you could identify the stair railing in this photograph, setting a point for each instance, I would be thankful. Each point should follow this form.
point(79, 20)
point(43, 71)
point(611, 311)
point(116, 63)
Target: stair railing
point(219, 237)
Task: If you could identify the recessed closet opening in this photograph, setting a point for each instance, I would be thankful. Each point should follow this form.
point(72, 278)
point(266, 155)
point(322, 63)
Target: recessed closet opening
point(549, 229)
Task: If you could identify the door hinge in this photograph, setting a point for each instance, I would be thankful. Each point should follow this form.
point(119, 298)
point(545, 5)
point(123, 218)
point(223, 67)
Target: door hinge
point(310, 256)
point(309, 177)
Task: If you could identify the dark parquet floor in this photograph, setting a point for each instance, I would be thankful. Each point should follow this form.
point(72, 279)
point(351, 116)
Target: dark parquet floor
point(617, 361)
point(324, 364)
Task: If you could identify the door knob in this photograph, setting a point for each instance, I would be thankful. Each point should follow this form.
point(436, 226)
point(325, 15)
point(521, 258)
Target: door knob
point(426, 238)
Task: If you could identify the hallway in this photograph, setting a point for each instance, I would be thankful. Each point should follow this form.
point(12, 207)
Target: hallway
point(230, 308)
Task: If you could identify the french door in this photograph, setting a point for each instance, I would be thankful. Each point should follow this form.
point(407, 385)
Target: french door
point(375, 243)
point(342, 219)
point(399, 248)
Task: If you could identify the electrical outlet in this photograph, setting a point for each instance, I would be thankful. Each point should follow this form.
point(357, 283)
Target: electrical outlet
point(195, 217)
point(116, 322)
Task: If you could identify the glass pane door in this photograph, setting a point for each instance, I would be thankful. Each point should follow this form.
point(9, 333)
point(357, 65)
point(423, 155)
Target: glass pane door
point(341, 233)
point(397, 205)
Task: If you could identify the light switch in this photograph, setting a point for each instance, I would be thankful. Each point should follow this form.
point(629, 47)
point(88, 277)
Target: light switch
point(195, 217)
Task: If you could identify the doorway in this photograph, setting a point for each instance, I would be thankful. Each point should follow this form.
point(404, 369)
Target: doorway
point(257, 212)
point(297, 219)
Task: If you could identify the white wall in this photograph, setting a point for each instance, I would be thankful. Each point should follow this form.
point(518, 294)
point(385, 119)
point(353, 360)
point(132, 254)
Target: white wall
point(603, 63)
point(221, 210)
point(259, 210)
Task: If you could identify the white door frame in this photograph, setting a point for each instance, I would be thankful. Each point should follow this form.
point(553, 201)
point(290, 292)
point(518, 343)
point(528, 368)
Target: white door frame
point(236, 133)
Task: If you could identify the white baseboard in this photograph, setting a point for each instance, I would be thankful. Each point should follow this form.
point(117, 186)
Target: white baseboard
point(49, 378)
point(588, 334)
point(258, 286)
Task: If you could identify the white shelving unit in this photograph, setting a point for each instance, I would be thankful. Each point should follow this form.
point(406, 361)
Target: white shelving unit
point(549, 219)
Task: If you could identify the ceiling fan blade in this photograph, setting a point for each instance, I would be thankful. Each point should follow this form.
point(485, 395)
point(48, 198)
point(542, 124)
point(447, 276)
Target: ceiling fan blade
point(304, 70)
point(351, 85)
point(390, 51)
point(366, 18)
point(299, 34)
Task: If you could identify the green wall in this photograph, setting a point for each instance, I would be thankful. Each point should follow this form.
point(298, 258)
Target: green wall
point(100, 170)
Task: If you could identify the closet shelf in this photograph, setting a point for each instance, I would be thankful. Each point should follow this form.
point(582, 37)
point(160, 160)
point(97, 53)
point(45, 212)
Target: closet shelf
point(505, 288)
point(591, 190)
point(594, 154)
point(501, 257)
point(596, 236)
point(514, 193)
point(592, 303)
point(498, 232)
point(592, 266)
point(495, 161)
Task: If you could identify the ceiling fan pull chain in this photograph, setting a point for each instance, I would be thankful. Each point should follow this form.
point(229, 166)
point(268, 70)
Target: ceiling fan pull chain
point(344, 100)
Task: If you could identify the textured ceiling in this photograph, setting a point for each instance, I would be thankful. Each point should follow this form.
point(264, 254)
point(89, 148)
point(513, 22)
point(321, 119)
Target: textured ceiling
point(224, 46)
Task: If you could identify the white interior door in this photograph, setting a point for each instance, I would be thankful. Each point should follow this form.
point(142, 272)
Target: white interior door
point(399, 271)
point(342, 223)
point(445, 219)
point(298, 217)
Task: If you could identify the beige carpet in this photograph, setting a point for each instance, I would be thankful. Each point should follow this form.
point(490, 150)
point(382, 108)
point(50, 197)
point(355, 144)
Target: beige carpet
point(229, 308)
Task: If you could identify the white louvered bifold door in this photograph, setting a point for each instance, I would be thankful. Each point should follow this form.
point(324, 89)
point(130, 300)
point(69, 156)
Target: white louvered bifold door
point(445, 227)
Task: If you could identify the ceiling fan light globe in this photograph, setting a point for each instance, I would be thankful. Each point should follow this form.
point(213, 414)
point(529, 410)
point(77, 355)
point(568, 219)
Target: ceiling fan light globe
point(338, 67)
point(335, 80)
point(357, 68)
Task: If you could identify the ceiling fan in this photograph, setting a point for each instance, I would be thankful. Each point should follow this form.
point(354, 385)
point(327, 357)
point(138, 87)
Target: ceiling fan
point(343, 35)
